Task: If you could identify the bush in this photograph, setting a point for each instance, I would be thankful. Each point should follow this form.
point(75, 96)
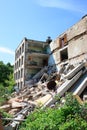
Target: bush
point(5, 115)
point(2, 98)
point(68, 117)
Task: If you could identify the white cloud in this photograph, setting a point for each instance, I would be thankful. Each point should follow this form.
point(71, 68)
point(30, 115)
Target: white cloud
point(6, 50)
point(63, 4)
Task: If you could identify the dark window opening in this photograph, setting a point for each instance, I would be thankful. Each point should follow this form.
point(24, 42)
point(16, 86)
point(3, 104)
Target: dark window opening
point(64, 54)
point(62, 42)
point(45, 62)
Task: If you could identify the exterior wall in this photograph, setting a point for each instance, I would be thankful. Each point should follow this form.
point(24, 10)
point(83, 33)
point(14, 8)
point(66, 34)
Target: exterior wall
point(77, 47)
point(19, 65)
point(54, 44)
point(76, 44)
point(29, 58)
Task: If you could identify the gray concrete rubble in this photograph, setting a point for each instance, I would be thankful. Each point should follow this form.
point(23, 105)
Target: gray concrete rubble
point(42, 93)
point(81, 87)
point(74, 71)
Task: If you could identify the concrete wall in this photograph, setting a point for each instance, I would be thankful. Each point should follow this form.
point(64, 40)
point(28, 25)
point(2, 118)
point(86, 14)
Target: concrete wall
point(77, 47)
point(76, 43)
point(54, 44)
point(19, 64)
point(76, 29)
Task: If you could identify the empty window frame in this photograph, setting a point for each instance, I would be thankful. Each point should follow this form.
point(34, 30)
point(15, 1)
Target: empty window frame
point(20, 51)
point(22, 47)
point(63, 41)
point(64, 54)
point(19, 62)
point(21, 73)
point(21, 84)
point(22, 60)
point(17, 65)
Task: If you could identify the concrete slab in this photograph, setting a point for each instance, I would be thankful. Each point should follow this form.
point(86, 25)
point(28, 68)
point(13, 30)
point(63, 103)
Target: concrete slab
point(74, 71)
point(81, 87)
point(63, 88)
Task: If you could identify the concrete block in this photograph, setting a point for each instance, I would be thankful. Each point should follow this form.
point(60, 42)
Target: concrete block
point(63, 88)
point(74, 71)
point(81, 87)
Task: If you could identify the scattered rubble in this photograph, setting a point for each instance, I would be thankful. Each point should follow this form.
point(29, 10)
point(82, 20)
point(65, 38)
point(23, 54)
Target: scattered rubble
point(41, 90)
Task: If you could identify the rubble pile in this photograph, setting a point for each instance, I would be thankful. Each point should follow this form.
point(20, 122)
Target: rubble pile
point(41, 90)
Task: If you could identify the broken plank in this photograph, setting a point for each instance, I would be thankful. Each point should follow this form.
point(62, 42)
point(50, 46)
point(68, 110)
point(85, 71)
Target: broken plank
point(18, 105)
point(41, 101)
point(6, 107)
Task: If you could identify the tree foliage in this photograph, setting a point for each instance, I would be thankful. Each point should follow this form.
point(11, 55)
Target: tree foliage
point(6, 81)
point(5, 71)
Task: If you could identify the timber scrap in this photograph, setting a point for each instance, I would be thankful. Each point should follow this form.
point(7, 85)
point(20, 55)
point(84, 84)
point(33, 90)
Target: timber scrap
point(39, 95)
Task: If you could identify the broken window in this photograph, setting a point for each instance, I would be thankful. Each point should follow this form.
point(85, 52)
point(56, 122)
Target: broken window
point(21, 73)
point(64, 54)
point(23, 47)
point(22, 59)
point(18, 85)
point(63, 41)
point(19, 62)
point(20, 50)
point(21, 84)
point(45, 62)
point(16, 76)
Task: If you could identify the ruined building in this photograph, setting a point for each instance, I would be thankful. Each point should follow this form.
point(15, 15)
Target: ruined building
point(69, 47)
point(30, 57)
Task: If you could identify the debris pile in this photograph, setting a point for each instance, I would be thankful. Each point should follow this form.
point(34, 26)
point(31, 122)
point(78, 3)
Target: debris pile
point(41, 90)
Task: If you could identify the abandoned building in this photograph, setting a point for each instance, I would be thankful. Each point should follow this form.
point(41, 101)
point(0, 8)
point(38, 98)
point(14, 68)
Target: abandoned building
point(71, 46)
point(46, 69)
point(31, 56)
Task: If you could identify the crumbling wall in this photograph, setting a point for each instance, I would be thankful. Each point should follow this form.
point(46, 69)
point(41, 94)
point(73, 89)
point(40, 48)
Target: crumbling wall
point(76, 45)
point(76, 29)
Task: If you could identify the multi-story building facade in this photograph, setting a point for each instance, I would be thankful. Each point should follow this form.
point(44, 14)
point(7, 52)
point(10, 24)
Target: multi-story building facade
point(30, 57)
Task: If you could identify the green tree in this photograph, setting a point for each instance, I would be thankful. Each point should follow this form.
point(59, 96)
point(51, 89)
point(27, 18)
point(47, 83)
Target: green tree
point(10, 83)
point(6, 81)
point(5, 70)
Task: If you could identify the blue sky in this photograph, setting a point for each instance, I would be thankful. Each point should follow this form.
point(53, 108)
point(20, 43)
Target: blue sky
point(35, 19)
